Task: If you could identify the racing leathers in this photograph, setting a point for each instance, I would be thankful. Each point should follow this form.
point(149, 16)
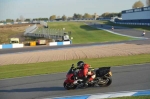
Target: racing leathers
point(83, 74)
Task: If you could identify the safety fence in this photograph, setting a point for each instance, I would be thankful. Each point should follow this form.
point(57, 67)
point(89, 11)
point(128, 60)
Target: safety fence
point(60, 43)
point(130, 23)
point(145, 22)
point(34, 31)
point(11, 23)
point(7, 46)
point(49, 33)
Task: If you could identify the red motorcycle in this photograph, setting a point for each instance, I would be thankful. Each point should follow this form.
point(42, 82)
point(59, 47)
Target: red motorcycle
point(101, 77)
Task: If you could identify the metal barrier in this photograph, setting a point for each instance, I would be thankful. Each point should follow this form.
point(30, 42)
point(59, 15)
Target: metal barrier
point(145, 24)
point(6, 46)
point(59, 43)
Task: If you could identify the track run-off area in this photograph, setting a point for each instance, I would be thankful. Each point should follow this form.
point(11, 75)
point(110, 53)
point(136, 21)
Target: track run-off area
point(126, 78)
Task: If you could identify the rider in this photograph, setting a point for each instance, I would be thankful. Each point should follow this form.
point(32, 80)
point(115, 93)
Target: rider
point(83, 72)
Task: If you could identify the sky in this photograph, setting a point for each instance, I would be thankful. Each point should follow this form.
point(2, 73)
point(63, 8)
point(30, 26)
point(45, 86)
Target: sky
point(13, 9)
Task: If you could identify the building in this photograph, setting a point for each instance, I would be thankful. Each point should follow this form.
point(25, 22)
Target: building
point(139, 16)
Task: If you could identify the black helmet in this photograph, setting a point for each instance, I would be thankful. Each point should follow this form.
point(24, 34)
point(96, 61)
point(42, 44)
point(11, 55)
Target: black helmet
point(80, 63)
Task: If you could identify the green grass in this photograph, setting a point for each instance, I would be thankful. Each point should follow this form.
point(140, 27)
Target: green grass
point(20, 70)
point(139, 27)
point(82, 33)
point(8, 31)
point(134, 97)
point(5, 35)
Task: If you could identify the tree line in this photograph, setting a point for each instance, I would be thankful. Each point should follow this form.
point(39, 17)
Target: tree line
point(140, 4)
point(64, 17)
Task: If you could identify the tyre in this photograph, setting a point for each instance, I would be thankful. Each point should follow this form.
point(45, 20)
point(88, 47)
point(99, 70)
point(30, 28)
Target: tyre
point(108, 82)
point(68, 87)
point(90, 85)
point(74, 87)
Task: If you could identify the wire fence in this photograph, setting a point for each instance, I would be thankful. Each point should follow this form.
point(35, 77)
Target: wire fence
point(48, 33)
point(45, 32)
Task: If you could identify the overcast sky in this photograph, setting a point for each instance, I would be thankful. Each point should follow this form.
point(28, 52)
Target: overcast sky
point(13, 9)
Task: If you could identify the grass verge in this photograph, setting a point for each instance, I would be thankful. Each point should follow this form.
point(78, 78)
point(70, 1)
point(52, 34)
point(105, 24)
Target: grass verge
point(7, 31)
point(20, 70)
point(82, 33)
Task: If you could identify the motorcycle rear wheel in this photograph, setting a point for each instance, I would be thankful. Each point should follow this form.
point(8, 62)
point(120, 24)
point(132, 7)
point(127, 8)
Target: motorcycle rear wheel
point(106, 84)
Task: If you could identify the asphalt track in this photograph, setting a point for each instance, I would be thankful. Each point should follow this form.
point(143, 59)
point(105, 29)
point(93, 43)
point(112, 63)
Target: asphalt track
point(126, 78)
point(135, 77)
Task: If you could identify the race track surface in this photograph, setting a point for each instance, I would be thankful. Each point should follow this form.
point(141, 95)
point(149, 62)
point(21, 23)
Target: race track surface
point(126, 78)
point(121, 30)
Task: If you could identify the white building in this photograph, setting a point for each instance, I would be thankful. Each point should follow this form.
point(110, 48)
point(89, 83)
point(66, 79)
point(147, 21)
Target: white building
point(136, 14)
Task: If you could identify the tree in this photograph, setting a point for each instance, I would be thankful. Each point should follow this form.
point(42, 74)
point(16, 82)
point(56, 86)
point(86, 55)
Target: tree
point(87, 16)
point(106, 14)
point(35, 19)
point(148, 2)
point(69, 18)
point(64, 18)
point(53, 17)
point(138, 4)
point(109, 15)
point(77, 16)
point(9, 20)
point(119, 14)
point(42, 19)
point(27, 20)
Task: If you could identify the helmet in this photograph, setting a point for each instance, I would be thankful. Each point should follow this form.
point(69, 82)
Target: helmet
point(80, 64)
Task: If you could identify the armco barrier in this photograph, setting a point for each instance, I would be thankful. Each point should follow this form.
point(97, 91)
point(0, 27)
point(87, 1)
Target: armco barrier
point(146, 24)
point(59, 43)
point(17, 45)
point(7, 46)
point(107, 95)
point(4, 46)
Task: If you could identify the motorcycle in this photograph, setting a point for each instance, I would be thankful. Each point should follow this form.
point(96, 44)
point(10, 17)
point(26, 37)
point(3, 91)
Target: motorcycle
point(100, 77)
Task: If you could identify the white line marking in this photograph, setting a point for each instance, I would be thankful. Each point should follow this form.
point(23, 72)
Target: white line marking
point(99, 93)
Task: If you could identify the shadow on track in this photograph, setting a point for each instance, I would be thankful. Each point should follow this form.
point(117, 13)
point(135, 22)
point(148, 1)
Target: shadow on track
point(87, 28)
point(44, 89)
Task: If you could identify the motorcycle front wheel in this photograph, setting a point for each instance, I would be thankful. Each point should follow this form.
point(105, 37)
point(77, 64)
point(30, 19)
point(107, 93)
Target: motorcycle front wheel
point(69, 86)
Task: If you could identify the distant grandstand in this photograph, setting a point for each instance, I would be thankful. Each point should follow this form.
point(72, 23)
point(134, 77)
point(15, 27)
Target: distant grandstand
point(138, 16)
